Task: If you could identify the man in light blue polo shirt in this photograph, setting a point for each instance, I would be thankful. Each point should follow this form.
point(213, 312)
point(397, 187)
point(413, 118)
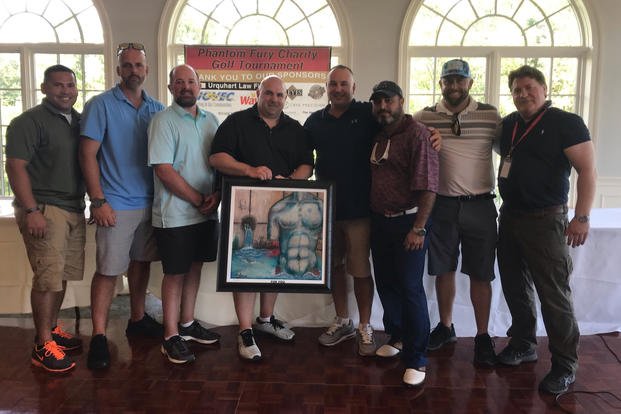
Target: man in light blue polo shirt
point(184, 209)
point(113, 157)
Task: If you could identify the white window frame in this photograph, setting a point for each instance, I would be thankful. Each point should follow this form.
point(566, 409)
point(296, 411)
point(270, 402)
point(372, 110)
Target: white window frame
point(587, 55)
point(170, 18)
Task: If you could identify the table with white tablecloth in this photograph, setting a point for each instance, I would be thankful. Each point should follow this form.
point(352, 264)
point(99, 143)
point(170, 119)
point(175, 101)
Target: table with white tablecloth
point(596, 283)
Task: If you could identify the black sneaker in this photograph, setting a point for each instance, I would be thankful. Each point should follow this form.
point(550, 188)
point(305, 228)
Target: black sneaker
point(177, 351)
point(98, 354)
point(514, 357)
point(484, 350)
point(147, 326)
point(440, 336)
point(198, 333)
point(65, 340)
point(51, 358)
point(557, 381)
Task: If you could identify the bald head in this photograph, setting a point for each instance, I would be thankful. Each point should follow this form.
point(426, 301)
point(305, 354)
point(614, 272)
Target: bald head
point(184, 86)
point(271, 97)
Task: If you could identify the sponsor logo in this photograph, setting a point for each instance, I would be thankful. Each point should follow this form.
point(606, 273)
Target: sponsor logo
point(216, 96)
point(247, 100)
point(293, 92)
point(316, 91)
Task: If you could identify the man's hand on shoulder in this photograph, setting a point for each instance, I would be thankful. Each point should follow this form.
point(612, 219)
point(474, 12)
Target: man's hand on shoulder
point(435, 139)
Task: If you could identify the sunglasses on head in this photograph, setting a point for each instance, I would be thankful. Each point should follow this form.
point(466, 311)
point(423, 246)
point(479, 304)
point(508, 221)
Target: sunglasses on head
point(125, 46)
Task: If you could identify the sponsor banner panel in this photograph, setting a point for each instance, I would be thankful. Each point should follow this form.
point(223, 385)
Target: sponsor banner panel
point(230, 76)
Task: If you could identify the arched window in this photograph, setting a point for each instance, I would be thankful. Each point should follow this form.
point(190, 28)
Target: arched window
point(251, 22)
point(37, 34)
point(495, 37)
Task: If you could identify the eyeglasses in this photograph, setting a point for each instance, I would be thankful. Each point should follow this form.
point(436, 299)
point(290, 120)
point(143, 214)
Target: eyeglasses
point(456, 125)
point(384, 156)
point(124, 46)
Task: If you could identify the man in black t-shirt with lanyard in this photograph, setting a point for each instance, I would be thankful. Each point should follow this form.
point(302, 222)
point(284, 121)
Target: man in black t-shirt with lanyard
point(539, 146)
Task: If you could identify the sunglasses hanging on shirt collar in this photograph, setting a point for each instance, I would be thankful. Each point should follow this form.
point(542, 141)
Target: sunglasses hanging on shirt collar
point(384, 156)
point(456, 125)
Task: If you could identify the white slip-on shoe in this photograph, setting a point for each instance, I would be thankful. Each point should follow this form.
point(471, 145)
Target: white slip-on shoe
point(389, 351)
point(414, 377)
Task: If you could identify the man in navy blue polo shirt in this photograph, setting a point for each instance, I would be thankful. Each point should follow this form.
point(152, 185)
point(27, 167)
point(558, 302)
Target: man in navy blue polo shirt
point(341, 134)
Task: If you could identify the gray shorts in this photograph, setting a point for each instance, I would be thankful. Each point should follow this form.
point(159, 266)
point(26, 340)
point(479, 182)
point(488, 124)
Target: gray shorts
point(130, 239)
point(472, 224)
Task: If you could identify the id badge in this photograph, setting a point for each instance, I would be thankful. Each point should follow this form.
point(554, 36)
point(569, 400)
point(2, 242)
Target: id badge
point(505, 167)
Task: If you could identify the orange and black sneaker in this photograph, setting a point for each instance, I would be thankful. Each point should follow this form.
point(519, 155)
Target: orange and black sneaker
point(51, 358)
point(65, 340)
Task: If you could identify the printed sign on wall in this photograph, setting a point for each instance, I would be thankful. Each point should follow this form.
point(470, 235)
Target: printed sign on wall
point(230, 76)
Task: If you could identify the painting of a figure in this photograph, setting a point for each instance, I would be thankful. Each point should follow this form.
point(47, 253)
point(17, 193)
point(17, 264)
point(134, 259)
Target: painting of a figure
point(276, 236)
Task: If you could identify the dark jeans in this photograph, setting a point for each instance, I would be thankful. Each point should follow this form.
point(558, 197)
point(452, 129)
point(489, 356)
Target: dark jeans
point(399, 282)
point(533, 255)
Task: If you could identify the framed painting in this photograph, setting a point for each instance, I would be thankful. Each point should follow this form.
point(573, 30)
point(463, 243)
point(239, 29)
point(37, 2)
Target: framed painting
point(276, 236)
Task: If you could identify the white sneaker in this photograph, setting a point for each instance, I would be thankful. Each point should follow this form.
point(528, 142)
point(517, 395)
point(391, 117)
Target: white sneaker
point(366, 340)
point(247, 347)
point(414, 377)
point(274, 327)
point(389, 350)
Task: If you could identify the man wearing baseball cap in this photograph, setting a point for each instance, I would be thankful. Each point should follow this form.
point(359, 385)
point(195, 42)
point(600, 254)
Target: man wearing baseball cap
point(404, 180)
point(464, 215)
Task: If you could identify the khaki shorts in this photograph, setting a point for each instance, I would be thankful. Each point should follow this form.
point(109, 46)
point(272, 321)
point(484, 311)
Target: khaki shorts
point(351, 246)
point(59, 255)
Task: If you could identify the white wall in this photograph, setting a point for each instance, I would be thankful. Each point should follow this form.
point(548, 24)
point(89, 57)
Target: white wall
point(375, 27)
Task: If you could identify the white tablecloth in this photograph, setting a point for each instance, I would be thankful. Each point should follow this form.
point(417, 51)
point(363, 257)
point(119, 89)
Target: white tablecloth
point(596, 284)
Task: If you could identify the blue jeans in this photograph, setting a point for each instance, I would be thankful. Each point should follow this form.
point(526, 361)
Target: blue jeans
point(399, 282)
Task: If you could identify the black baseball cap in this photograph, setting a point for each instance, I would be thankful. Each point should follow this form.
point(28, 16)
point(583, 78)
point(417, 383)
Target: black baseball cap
point(386, 89)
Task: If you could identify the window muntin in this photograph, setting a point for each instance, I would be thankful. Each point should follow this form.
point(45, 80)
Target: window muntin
point(67, 32)
point(496, 36)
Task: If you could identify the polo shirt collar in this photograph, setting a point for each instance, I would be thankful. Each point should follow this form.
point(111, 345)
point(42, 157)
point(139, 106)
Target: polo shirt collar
point(118, 94)
point(200, 113)
point(472, 106)
point(48, 105)
point(325, 113)
point(255, 112)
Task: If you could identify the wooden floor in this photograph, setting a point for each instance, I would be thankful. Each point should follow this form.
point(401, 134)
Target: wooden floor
point(299, 377)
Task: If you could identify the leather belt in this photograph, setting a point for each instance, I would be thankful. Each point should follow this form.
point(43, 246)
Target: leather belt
point(537, 212)
point(472, 197)
point(402, 213)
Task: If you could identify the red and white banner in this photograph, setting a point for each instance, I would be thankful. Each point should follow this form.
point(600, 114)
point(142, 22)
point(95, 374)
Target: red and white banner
point(230, 76)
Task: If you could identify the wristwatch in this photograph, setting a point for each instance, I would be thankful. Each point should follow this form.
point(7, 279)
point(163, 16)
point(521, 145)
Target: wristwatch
point(419, 231)
point(32, 209)
point(583, 219)
point(98, 202)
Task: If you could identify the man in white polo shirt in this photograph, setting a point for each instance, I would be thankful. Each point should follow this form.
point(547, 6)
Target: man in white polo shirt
point(464, 214)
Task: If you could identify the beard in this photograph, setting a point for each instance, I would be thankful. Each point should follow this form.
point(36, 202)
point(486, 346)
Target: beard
point(385, 118)
point(133, 82)
point(455, 100)
point(186, 101)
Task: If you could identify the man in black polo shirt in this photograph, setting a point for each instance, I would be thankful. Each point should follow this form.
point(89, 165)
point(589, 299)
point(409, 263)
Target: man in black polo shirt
point(539, 146)
point(261, 142)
